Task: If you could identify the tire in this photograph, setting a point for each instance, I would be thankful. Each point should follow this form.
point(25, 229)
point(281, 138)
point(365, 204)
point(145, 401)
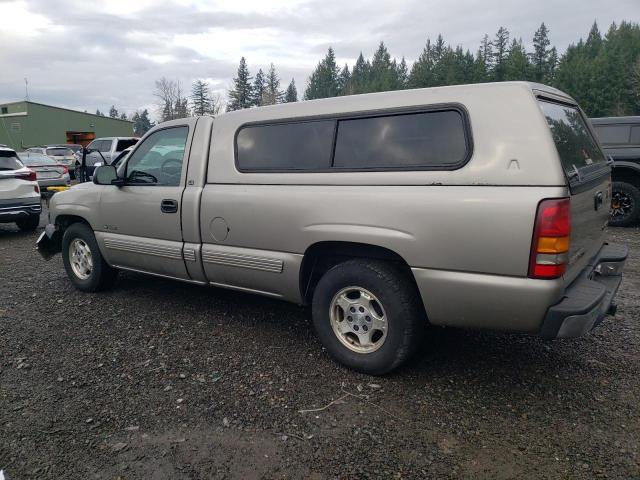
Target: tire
point(87, 276)
point(28, 224)
point(398, 304)
point(625, 204)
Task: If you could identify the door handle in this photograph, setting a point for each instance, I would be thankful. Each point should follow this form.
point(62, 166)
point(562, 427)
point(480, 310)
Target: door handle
point(169, 206)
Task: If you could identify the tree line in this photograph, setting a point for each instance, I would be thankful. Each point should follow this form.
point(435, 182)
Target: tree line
point(262, 90)
point(602, 72)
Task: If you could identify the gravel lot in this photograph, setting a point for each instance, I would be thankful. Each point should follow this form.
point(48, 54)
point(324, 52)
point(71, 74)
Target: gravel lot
point(159, 379)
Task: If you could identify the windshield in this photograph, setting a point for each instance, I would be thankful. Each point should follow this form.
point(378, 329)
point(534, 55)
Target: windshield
point(30, 159)
point(59, 152)
point(576, 146)
point(9, 160)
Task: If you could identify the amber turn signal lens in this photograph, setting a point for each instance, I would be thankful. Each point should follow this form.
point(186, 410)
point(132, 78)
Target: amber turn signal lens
point(553, 244)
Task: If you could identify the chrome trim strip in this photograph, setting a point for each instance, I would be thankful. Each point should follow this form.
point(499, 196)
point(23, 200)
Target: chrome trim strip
point(33, 208)
point(169, 277)
point(245, 289)
point(189, 254)
point(243, 261)
point(174, 253)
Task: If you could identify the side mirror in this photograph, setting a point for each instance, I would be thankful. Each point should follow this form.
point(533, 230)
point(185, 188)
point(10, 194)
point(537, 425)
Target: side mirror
point(106, 175)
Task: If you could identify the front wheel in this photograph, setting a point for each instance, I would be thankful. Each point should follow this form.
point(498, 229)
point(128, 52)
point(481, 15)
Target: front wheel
point(368, 315)
point(83, 261)
point(625, 204)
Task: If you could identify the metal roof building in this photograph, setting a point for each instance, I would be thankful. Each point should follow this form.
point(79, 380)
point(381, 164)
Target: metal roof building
point(26, 124)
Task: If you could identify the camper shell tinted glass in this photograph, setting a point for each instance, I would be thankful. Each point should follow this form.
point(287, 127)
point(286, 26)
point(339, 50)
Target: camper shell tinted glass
point(579, 153)
point(285, 146)
point(427, 139)
point(434, 139)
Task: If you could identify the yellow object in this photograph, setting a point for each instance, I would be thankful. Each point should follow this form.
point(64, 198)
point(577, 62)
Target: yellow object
point(57, 189)
point(553, 245)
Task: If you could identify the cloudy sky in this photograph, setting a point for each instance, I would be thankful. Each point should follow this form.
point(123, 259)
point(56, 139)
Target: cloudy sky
point(88, 54)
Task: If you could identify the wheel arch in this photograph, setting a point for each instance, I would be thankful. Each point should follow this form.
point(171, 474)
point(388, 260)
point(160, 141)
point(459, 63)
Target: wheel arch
point(626, 172)
point(321, 256)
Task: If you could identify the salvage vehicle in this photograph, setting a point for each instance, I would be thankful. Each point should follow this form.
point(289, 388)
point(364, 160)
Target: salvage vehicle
point(19, 192)
point(48, 172)
point(479, 206)
point(620, 139)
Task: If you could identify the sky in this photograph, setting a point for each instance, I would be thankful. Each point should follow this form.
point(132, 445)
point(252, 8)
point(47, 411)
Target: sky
point(88, 55)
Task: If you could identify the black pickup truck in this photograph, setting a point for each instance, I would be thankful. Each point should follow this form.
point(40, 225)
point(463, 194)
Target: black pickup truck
point(620, 139)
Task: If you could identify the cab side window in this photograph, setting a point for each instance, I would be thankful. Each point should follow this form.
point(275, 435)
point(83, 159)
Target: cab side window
point(158, 160)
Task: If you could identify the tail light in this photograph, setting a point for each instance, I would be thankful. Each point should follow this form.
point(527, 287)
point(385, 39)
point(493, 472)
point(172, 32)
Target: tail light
point(550, 244)
point(29, 175)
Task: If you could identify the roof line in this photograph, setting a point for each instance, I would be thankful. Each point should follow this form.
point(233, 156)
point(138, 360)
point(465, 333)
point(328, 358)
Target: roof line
point(66, 109)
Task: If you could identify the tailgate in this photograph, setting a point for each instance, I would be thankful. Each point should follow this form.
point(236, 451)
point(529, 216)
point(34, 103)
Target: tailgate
point(588, 176)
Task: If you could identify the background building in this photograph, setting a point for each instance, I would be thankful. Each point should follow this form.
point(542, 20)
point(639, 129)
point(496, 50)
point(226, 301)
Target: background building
point(27, 124)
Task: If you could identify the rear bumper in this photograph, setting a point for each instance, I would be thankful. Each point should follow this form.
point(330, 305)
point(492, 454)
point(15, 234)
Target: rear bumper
point(12, 211)
point(589, 298)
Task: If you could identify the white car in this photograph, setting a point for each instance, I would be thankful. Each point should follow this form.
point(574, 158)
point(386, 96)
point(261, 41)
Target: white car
point(19, 192)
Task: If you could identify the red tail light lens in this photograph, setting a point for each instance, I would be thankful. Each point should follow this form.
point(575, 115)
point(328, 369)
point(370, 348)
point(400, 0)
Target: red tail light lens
point(29, 175)
point(551, 238)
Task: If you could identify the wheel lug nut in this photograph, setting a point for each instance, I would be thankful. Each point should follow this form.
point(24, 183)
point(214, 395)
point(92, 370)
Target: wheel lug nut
point(356, 328)
point(361, 309)
point(352, 309)
point(349, 318)
point(365, 328)
point(368, 318)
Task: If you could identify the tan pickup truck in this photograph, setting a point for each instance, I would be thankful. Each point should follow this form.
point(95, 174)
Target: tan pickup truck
point(480, 206)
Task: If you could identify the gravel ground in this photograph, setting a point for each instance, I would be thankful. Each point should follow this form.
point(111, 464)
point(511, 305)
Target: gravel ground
point(159, 379)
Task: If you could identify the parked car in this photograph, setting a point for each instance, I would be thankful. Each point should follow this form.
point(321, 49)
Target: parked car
point(108, 148)
point(480, 206)
point(620, 139)
point(19, 192)
point(61, 155)
point(48, 172)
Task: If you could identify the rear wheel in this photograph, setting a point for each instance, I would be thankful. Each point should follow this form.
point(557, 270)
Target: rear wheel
point(28, 224)
point(368, 315)
point(83, 261)
point(625, 204)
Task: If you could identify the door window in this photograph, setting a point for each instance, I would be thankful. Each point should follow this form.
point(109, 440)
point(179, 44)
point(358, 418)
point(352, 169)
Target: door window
point(158, 161)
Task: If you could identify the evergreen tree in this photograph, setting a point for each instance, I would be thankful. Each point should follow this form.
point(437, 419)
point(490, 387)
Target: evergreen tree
point(540, 57)
point(517, 65)
point(123, 116)
point(200, 98)
point(141, 123)
point(344, 81)
point(323, 82)
point(360, 75)
point(241, 95)
point(402, 74)
point(486, 50)
point(291, 94)
point(383, 75)
point(500, 51)
point(422, 70)
point(272, 93)
point(113, 113)
point(99, 113)
point(258, 89)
